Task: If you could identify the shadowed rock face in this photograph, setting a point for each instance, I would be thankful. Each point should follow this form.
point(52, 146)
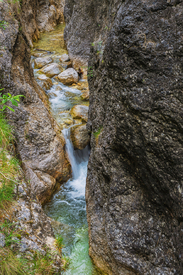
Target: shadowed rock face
point(134, 185)
point(40, 143)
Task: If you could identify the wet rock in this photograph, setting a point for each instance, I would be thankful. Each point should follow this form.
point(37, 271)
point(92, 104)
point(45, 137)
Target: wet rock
point(42, 61)
point(2, 240)
point(80, 136)
point(80, 111)
point(68, 77)
point(45, 82)
point(52, 94)
point(66, 65)
point(85, 95)
point(37, 54)
point(58, 88)
point(64, 58)
point(51, 70)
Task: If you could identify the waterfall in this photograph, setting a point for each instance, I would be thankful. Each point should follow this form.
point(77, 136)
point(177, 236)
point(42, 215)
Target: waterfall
point(79, 162)
point(71, 153)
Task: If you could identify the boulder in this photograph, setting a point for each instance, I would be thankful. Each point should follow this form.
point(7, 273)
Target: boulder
point(64, 58)
point(68, 77)
point(80, 111)
point(51, 69)
point(42, 61)
point(45, 82)
point(80, 136)
point(85, 95)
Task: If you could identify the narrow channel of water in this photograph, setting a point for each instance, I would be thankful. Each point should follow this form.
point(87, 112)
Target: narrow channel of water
point(68, 206)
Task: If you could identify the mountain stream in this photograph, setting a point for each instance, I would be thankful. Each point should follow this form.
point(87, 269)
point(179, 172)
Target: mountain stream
point(67, 207)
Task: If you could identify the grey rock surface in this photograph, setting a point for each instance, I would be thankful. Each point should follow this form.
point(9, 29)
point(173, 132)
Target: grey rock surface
point(64, 58)
point(40, 143)
point(79, 136)
point(42, 61)
point(68, 77)
point(51, 70)
point(80, 112)
point(134, 186)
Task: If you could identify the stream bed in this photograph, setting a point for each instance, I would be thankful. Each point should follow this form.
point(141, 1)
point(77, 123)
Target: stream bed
point(68, 207)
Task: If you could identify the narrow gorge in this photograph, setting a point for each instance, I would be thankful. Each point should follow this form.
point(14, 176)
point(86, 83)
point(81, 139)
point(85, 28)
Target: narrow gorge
point(102, 106)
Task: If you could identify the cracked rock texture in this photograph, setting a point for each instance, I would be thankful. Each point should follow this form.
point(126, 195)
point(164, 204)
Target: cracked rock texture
point(40, 144)
point(134, 186)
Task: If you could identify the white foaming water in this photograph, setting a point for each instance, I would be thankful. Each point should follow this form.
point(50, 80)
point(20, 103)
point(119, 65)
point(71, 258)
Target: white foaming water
point(61, 100)
point(79, 162)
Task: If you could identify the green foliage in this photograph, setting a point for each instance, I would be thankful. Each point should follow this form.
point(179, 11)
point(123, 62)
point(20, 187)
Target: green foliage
point(97, 133)
point(59, 242)
point(10, 264)
point(9, 98)
point(3, 24)
point(11, 234)
point(90, 72)
point(9, 166)
point(41, 264)
point(5, 132)
point(65, 262)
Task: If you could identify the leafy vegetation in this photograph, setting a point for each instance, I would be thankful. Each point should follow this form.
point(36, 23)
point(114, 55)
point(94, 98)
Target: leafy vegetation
point(59, 242)
point(90, 72)
point(65, 262)
point(9, 98)
point(3, 24)
point(9, 166)
point(97, 133)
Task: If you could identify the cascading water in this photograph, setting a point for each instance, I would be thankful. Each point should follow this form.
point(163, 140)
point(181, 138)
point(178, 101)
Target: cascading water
point(68, 207)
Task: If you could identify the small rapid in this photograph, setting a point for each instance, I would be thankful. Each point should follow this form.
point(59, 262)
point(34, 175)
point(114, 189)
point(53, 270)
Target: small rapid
point(67, 208)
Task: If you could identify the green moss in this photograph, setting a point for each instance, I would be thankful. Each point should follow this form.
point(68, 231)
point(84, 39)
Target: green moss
point(98, 132)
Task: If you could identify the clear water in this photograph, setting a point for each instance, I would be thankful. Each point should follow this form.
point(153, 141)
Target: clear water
point(52, 41)
point(68, 206)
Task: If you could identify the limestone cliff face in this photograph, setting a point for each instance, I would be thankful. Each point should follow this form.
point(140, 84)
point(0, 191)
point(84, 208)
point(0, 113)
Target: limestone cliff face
point(134, 186)
point(39, 142)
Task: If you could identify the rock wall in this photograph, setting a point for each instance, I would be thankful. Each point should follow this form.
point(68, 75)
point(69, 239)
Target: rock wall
point(134, 185)
point(40, 144)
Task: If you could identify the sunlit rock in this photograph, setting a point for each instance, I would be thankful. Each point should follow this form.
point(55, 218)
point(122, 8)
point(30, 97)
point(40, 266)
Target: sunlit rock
point(80, 111)
point(42, 61)
point(79, 136)
point(68, 77)
point(51, 69)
